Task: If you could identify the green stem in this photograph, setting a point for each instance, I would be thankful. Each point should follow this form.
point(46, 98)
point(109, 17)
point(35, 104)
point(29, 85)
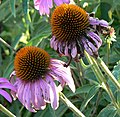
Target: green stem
point(105, 84)
point(108, 52)
point(6, 44)
point(93, 67)
point(97, 103)
point(84, 65)
point(101, 78)
point(80, 73)
point(70, 105)
point(6, 111)
point(107, 71)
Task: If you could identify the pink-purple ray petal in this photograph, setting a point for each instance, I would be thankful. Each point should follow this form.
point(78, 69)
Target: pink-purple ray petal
point(44, 5)
point(8, 86)
point(63, 73)
point(94, 21)
point(2, 80)
point(95, 38)
point(54, 100)
point(5, 95)
point(37, 99)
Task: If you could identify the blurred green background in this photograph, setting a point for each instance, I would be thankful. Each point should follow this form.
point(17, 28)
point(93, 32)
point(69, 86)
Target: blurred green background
point(21, 25)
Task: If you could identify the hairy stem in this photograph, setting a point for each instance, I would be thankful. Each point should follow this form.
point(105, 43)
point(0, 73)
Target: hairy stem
point(108, 72)
point(6, 111)
point(101, 78)
point(6, 44)
point(70, 105)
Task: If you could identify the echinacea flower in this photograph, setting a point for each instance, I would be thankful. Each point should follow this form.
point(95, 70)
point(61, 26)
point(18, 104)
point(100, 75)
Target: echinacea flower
point(5, 84)
point(35, 73)
point(74, 30)
point(44, 5)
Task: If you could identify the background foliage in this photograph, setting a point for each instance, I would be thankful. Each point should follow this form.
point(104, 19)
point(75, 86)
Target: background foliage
point(21, 25)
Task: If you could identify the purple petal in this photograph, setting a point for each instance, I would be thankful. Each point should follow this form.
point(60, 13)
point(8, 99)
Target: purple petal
point(55, 97)
point(84, 41)
point(89, 47)
point(20, 89)
point(3, 80)
point(36, 4)
point(57, 77)
point(27, 97)
point(95, 21)
point(74, 52)
point(103, 23)
point(63, 72)
point(8, 86)
point(66, 1)
point(5, 95)
point(53, 43)
point(49, 3)
point(37, 98)
point(58, 2)
point(95, 38)
point(45, 90)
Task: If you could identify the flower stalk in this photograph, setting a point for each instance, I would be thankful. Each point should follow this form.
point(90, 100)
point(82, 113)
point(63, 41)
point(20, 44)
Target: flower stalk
point(101, 78)
point(77, 112)
point(107, 71)
point(6, 111)
point(7, 45)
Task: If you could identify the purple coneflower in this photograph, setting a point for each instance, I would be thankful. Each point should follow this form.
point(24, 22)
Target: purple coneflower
point(74, 30)
point(35, 73)
point(4, 83)
point(44, 5)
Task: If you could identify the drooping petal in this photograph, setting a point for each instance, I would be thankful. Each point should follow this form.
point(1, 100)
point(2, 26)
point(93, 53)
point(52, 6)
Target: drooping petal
point(36, 4)
point(27, 97)
point(94, 21)
point(45, 90)
point(20, 90)
point(43, 7)
point(103, 23)
point(50, 3)
point(58, 2)
point(2, 80)
point(55, 97)
point(66, 1)
point(97, 40)
point(90, 48)
point(63, 72)
point(5, 95)
point(8, 86)
point(74, 52)
point(87, 47)
point(37, 99)
point(54, 43)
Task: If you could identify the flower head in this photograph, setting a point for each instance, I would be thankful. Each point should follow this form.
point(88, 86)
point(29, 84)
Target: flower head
point(4, 83)
point(35, 74)
point(44, 5)
point(74, 30)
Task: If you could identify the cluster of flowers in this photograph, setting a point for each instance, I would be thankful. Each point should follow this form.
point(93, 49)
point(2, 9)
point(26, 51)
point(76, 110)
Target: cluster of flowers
point(73, 31)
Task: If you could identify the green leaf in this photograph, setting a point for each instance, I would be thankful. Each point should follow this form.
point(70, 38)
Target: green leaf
point(109, 111)
point(12, 5)
point(61, 110)
point(8, 70)
point(48, 112)
point(90, 95)
point(116, 71)
point(37, 40)
point(83, 89)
